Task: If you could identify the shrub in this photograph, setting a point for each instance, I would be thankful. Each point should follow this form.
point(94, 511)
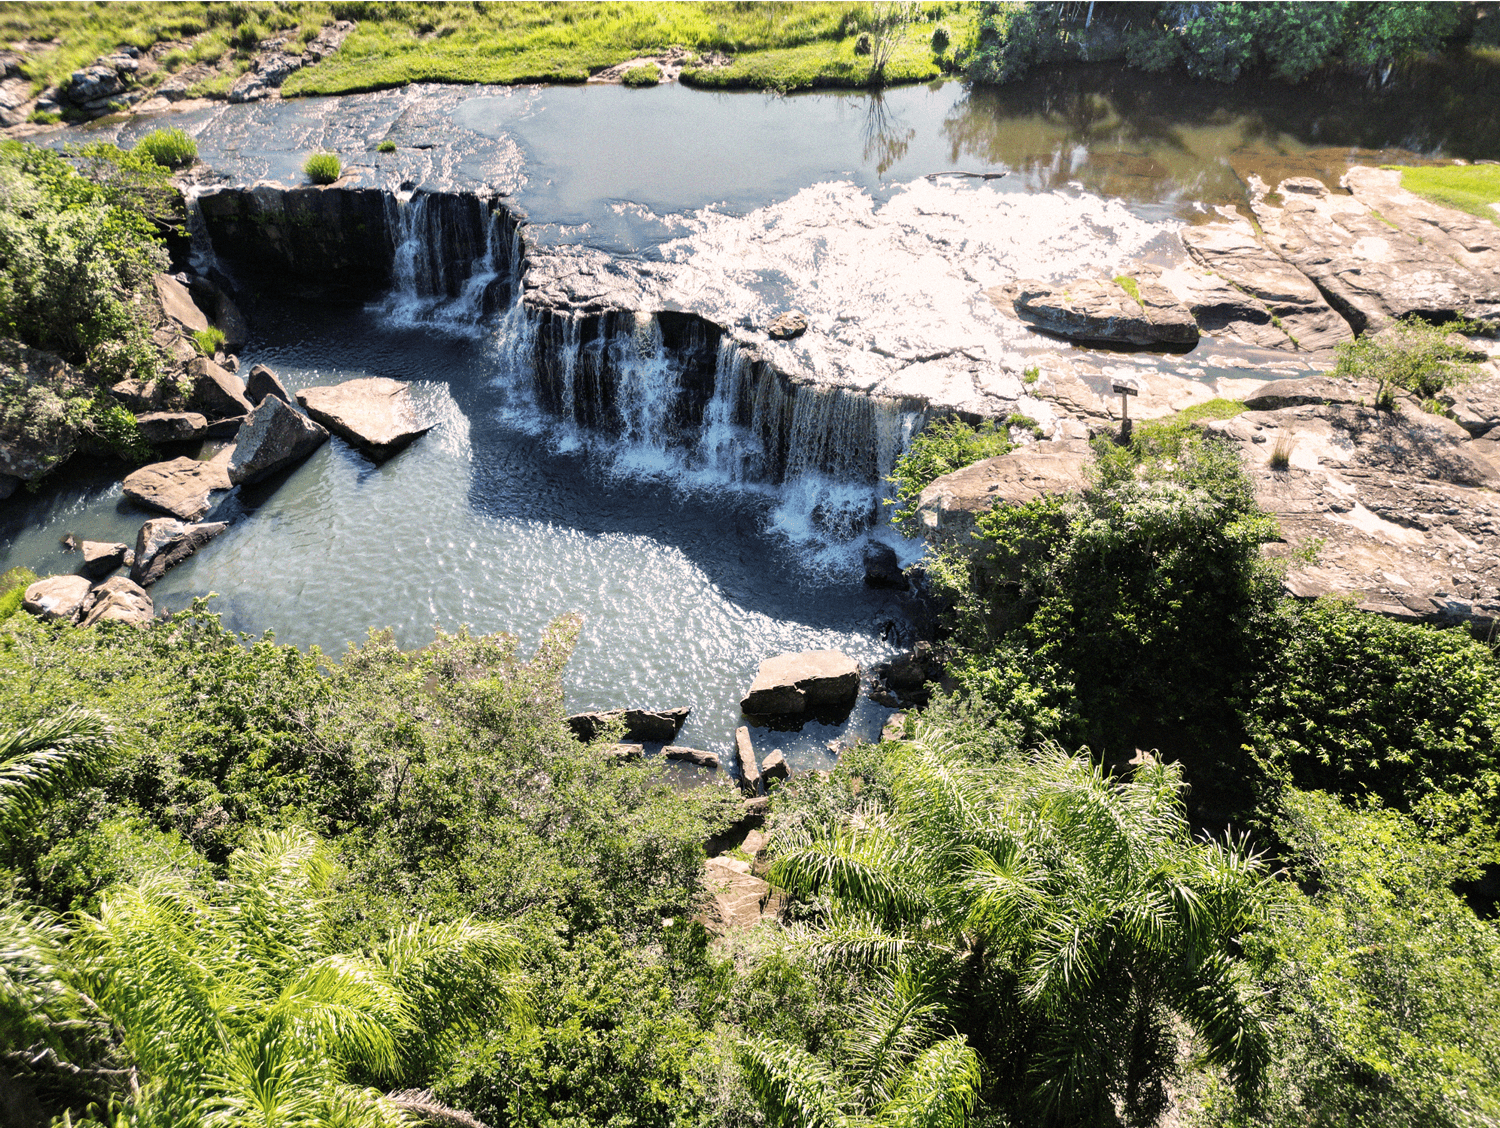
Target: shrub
point(647, 75)
point(323, 168)
point(942, 447)
point(170, 148)
point(386, 146)
point(210, 340)
point(1411, 355)
point(13, 585)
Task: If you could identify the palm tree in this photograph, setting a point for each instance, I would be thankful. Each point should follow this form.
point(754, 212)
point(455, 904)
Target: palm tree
point(1070, 917)
point(42, 760)
point(235, 1012)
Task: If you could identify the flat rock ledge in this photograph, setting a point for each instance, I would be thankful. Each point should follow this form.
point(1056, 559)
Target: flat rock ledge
point(1101, 310)
point(375, 415)
point(184, 487)
point(949, 506)
point(791, 684)
point(655, 726)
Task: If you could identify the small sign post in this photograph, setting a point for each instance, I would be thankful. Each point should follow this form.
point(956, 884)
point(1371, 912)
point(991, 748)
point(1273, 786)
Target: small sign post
point(1125, 387)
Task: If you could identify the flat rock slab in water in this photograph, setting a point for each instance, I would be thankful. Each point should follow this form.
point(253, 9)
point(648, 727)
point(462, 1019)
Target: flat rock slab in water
point(374, 415)
point(184, 487)
point(794, 683)
point(695, 756)
point(658, 726)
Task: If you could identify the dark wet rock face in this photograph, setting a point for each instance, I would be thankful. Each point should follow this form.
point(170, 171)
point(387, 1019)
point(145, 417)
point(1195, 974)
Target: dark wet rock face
point(882, 566)
point(262, 382)
point(217, 393)
point(374, 415)
point(37, 433)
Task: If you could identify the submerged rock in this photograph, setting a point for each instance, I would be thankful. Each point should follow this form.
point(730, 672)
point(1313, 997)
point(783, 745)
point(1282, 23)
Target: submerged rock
point(164, 543)
point(795, 683)
point(184, 487)
point(274, 436)
point(57, 597)
point(658, 726)
point(374, 415)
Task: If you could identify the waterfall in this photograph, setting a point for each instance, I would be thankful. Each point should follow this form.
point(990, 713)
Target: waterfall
point(451, 254)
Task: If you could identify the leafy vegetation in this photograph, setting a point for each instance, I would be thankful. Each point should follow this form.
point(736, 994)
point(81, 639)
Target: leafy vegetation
point(1471, 188)
point(13, 585)
point(1411, 355)
point(941, 447)
point(210, 340)
point(323, 168)
point(170, 148)
point(648, 74)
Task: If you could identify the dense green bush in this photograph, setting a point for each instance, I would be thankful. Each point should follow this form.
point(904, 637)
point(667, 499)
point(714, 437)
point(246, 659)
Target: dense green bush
point(1409, 355)
point(323, 168)
point(13, 585)
point(648, 74)
point(170, 148)
point(77, 251)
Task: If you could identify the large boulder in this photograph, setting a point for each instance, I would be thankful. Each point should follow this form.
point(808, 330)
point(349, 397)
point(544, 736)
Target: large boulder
point(184, 487)
point(164, 543)
point(1265, 289)
point(117, 600)
point(177, 303)
point(100, 558)
point(1090, 310)
point(374, 415)
point(171, 426)
point(744, 752)
point(949, 506)
point(57, 597)
point(217, 392)
point(262, 382)
point(657, 726)
point(795, 683)
point(1303, 391)
point(274, 436)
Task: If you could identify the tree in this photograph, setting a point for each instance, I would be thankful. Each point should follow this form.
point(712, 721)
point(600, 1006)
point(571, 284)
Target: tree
point(888, 19)
point(1068, 919)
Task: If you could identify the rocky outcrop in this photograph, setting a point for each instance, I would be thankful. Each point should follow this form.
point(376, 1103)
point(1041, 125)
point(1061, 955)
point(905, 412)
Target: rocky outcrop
point(1398, 510)
point(158, 427)
point(1264, 289)
point(186, 488)
point(216, 392)
point(37, 430)
point(786, 326)
point(792, 684)
point(164, 543)
point(100, 558)
point(1368, 267)
point(278, 60)
point(882, 566)
point(948, 507)
point(262, 382)
point(177, 303)
point(656, 726)
point(117, 600)
point(273, 437)
point(738, 898)
point(776, 768)
point(374, 415)
point(1090, 310)
point(57, 597)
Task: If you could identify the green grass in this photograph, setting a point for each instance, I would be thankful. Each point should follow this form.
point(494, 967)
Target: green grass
point(648, 74)
point(323, 168)
point(1129, 285)
point(211, 340)
point(386, 146)
point(1470, 188)
point(831, 64)
point(170, 148)
point(13, 585)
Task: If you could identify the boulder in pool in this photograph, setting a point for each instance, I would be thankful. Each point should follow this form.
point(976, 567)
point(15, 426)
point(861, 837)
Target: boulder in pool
point(794, 683)
point(695, 756)
point(171, 426)
point(273, 437)
point(164, 543)
point(100, 558)
point(262, 383)
point(217, 392)
point(375, 415)
point(657, 726)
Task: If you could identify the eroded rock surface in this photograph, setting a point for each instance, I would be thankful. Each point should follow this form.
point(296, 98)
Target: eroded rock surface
point(659, 726)
point(117, 600)
point(375, 415)
point(262, 382)
point(217, 393)
point(273, 437)
point(1089, 309)
point(171, 426)
point(165, 542)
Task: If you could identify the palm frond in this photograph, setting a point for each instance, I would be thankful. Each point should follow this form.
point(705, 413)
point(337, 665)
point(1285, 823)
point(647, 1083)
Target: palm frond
point(793, 1088)
point(276, 884)
point(895, 1023)
point(38, 1005)
point(869, 866)
point(939, 1090)
point(48, 757)
point(349, 1007)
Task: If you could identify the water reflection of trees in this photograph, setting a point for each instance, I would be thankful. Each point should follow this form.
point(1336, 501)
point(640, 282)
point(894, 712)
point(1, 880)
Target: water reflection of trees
point(886, 135)
point(1123, 131)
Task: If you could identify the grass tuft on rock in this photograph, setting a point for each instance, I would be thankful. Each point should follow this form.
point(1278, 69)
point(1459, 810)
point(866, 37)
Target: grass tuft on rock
point(323, 168)
point(170, 148)
point(647, 74)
